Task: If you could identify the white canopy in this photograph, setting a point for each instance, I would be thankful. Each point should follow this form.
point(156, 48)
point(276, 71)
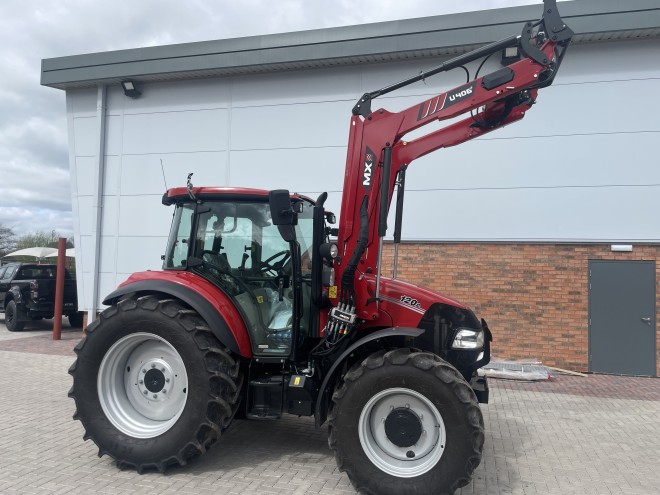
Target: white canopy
point(36, 252)
point(71, 253)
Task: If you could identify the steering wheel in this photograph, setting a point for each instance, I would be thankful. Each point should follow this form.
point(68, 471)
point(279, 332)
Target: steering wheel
point(268, 266)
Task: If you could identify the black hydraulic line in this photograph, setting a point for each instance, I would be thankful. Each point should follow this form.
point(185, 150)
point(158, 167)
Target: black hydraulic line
point(363, 107)
point(398, 218)
point(385, 191)
point(451, 64)
point(318, 238)
point(348, 277)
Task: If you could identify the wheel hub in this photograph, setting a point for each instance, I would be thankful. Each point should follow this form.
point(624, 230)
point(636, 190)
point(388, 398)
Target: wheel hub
point(154, 380)
point(403, 427)
point(155, 377)
point(402, 432)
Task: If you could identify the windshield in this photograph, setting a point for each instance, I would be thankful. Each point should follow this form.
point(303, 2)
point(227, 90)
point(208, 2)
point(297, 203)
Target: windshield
point(176, 254)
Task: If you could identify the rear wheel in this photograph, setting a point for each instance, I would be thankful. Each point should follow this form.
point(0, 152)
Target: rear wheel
point(153, 386)
point(406, 422)
point(11, 318)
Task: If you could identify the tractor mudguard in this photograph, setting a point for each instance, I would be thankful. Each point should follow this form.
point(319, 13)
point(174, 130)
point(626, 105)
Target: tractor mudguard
point(321, 414)
point(236, 339)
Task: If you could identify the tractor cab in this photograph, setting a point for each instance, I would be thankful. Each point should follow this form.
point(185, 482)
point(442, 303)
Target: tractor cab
point(228, 237)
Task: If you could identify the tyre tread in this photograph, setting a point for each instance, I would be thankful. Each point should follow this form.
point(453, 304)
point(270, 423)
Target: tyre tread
point(209, 431)
point(424, 361)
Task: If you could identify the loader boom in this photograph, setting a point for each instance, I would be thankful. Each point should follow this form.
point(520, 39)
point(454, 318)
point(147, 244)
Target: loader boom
point(378, 152)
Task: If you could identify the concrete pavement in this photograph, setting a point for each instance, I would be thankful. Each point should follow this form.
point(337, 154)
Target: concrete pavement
point(593, 435)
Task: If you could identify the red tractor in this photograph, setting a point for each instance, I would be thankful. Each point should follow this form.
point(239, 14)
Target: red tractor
point(259, 312)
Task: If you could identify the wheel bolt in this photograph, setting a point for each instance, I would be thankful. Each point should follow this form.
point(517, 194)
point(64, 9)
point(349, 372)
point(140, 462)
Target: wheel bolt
point(155, 396)
point(163, 369)
point(164, 391)
point(167, 380)
point(144, 371)
point(141, 382)
point(146, 392)
point(153, 365)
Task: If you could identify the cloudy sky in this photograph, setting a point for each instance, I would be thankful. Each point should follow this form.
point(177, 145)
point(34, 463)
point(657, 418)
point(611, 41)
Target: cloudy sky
point(34, 176)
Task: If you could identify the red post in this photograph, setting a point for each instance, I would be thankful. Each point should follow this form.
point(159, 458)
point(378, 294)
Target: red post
point(59, 289)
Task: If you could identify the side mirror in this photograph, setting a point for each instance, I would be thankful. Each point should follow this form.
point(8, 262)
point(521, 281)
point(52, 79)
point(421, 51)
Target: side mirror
point(281, 210)
point(282, 213)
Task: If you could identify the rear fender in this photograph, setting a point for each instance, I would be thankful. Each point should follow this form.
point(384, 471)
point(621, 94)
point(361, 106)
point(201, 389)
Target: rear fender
point(321, 411)
point(217, 310)
point(14, 294)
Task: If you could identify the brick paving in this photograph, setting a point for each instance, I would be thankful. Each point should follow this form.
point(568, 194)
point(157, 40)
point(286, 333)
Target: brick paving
point(572, 435)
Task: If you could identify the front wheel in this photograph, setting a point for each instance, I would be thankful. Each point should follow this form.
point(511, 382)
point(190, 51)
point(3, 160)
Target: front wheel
point(153, 386)
point(406, 422)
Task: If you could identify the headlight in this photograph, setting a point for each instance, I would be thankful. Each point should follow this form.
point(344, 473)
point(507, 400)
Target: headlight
point(329, 250)
point(467, 338)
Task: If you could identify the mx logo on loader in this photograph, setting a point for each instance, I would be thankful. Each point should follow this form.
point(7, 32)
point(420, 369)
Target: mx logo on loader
point(368, 168)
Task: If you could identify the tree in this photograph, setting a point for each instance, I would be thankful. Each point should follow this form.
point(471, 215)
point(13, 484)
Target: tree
point(38, 239)
point(7, 240)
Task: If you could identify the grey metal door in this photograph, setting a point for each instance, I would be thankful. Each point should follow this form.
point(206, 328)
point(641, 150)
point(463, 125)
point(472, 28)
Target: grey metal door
point(622, 317)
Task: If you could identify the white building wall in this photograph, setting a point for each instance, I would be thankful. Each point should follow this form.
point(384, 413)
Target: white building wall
point(580, 167)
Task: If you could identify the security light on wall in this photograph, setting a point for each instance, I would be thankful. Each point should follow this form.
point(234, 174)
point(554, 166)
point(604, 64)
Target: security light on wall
point(510, 55)
point(129, 89)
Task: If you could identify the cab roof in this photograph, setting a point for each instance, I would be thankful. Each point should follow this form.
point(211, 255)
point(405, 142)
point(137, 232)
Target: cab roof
point(180, 194)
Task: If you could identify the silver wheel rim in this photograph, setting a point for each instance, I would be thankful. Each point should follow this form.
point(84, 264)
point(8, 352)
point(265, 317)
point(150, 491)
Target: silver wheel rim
point(390, 458)
point(142, 385)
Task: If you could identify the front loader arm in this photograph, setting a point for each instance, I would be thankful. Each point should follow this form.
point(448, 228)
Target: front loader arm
point(378, 153)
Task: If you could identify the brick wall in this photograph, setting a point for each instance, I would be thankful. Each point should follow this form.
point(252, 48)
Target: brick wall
point(534, 296)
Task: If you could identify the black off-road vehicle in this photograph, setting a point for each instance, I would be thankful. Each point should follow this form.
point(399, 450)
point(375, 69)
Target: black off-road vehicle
point(27, 293)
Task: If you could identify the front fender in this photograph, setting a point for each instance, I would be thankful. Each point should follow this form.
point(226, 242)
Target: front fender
point(211, 303)
point(321, 413)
